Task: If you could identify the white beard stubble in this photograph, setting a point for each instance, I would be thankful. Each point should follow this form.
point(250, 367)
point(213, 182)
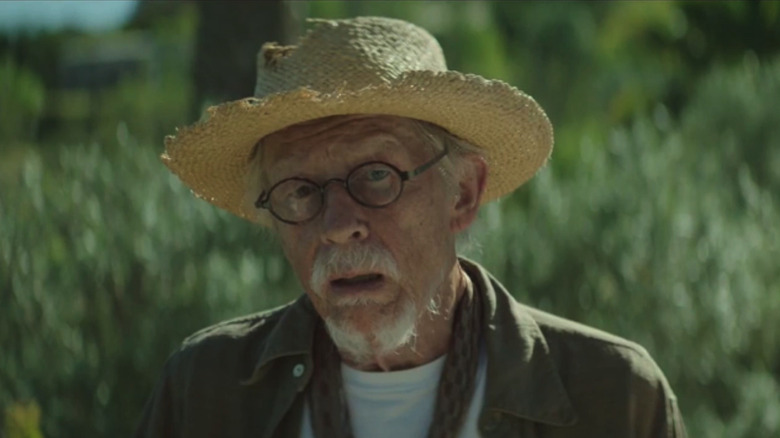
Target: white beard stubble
point(385, 338)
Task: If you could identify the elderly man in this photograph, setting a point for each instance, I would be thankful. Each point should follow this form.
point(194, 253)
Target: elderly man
point(367, 157)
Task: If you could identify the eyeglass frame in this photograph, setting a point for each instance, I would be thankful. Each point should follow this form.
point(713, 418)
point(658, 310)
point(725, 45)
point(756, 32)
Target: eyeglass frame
point(263, 201)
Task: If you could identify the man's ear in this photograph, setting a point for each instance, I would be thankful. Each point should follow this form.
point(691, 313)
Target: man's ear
point(471, 187)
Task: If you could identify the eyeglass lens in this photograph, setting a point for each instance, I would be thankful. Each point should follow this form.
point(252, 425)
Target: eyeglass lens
point(371, 184)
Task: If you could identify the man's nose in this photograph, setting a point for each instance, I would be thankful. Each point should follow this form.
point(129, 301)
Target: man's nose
point(343, 219)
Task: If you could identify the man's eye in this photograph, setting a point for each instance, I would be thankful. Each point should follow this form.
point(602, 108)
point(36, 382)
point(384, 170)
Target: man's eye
point(376, 175)
point(303, 191)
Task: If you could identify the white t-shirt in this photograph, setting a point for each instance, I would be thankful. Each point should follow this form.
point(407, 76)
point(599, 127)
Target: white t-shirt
point(399, 403)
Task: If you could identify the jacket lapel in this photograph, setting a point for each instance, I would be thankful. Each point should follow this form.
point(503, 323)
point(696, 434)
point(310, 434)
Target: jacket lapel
point(282, 370)
point(522, 379)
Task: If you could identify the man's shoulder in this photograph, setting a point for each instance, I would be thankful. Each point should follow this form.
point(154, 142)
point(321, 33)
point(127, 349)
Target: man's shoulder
point(557, 329)
point(239, 329)
point(603, 372)
point(572, 345)
point(232, 348)
point(205, 386)
point(588, 352)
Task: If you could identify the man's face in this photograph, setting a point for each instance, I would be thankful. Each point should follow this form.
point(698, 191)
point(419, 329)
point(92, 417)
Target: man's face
point(398, 258)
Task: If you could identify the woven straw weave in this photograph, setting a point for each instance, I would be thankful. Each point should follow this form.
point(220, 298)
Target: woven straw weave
point(366, 65)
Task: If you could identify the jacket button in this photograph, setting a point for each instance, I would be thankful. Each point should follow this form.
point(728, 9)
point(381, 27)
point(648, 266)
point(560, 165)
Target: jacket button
point(298, 370)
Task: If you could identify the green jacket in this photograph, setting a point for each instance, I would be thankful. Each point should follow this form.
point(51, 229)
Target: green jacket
point(546, 377)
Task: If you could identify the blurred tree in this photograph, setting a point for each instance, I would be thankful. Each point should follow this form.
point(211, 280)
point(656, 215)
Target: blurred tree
point(38, 52)
point(724, 33)
point(151, 14)
point(21, 100)
point(227, 42)
point(598, 65)
point(708, 34)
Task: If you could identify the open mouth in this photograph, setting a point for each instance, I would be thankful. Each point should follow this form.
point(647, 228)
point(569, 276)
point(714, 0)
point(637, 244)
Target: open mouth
point(358, 280)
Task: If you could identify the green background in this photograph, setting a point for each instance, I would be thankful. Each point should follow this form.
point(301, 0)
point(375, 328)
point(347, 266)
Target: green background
point(658, 217)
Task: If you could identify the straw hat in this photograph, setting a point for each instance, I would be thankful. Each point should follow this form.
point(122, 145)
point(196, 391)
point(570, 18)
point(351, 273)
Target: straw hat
point(366, 65)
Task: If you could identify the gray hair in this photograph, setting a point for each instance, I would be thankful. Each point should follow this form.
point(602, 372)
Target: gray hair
point(453, 165)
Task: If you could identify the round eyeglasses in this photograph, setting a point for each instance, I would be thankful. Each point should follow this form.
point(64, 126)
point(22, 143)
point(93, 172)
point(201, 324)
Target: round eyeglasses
point(374, 184)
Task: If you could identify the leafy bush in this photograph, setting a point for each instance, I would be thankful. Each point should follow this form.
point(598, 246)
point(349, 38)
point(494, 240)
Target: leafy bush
point(669, 238)
point(21, 101)
point(107, 263)
point(665, 234)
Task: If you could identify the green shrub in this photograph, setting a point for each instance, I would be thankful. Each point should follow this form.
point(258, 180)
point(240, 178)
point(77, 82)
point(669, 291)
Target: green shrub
point(662, 235)
point(107, 263)
point(21, 102)
point(669, 238)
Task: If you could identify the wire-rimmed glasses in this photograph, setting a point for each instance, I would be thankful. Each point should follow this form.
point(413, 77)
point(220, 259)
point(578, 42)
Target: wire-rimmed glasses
point(374, 184)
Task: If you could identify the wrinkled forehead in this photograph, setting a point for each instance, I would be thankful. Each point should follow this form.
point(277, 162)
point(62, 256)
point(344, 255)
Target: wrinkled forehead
point(297, 141)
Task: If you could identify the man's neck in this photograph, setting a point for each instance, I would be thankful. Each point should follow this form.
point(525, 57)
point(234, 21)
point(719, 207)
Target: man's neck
point(433, 332)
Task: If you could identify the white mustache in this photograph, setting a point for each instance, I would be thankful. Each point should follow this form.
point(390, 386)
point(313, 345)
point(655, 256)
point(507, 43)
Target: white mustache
point(335, 261)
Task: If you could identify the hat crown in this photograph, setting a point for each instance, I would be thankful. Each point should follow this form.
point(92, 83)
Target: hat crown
point(347, 55)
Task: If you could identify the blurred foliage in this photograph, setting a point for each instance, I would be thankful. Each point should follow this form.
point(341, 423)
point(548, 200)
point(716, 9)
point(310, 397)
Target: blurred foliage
point(105, 262)
point(37, 52)
point(149, 100)
point(250, 24)
point(22, 420)
point(656, 218)
point(21, 100)
point(664, 235)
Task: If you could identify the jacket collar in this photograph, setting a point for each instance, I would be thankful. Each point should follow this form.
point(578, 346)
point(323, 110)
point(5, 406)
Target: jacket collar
point(522, 378)
point(292, 335)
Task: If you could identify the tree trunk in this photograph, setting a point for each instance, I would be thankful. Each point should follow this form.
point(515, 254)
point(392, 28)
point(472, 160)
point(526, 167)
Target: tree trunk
point(228, 39)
